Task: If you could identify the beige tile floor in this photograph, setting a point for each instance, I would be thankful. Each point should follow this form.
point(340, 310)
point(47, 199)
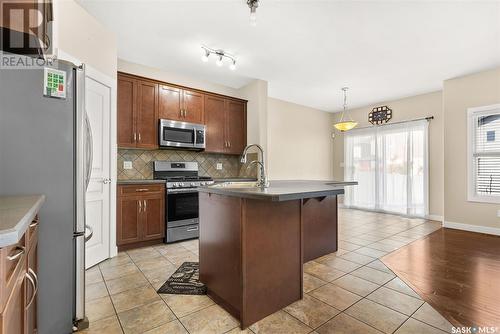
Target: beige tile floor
point(349, 291)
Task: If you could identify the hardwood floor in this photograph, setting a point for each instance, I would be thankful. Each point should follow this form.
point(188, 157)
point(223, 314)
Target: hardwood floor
point(456, 272)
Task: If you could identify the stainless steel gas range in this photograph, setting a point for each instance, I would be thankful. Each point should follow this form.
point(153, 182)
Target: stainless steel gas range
point(182, 214)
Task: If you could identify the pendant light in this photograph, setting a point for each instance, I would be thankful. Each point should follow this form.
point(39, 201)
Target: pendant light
point(346, 123)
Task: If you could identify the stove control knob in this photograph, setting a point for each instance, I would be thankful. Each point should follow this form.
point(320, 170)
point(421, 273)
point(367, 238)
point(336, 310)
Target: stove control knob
point(181, 184)
point(202, 183)
point(176, 184)
point(193, 184)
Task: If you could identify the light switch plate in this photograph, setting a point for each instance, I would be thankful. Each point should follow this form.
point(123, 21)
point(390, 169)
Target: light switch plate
point(127, 165)
point(219, 166)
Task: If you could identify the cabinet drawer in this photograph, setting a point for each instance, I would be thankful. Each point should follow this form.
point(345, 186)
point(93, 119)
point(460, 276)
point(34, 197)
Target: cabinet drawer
point(12, 260)
point(182, 233)
point(140, 188)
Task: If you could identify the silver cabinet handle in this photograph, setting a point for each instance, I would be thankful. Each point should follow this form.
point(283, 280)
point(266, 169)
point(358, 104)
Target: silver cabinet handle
point(229, 144)
point(35, 288)
point(145, 205)
point(180, 112)
point(185, 113)
point(139, 137)
point(20, 251)
point(135, 137)
point(35, 223)
point(140, 206)
point(142, 189)
point(106, 180)
point(87, 238)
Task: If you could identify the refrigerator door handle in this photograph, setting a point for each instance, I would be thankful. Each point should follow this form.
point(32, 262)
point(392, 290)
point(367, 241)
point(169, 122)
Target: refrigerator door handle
point(89, 151)
point(88, 237)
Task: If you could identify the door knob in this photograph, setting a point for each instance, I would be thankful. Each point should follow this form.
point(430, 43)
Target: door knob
point(106, 181)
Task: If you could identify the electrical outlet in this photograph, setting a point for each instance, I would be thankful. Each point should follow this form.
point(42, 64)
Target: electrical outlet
point(127, 165)
point(219, 166)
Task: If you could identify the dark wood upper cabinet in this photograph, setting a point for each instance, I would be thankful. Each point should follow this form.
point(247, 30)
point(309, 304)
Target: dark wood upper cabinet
point(147, 114)
point(226, 125)
point(170, 103)
point(127, 97)
point(143, 102)
point(236, 134)
point(215, 124)
point(137, 113)
point(193, 106)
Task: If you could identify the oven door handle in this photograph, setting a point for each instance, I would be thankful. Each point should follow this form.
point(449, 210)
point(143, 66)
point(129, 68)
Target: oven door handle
point(182, 191)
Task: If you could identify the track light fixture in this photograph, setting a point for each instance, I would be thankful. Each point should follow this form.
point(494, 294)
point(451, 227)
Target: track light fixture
point(220, 54)
point(253, 5)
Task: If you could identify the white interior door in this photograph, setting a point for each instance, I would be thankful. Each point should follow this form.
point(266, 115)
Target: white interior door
point(98, 97)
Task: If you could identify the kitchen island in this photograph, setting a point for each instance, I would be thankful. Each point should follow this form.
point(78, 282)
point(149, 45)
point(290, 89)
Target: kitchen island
point(253, 242)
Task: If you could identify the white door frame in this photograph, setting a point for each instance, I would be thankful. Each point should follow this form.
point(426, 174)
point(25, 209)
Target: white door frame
point(110, 82)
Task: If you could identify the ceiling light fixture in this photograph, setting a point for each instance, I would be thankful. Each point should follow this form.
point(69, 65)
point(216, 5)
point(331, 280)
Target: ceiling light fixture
point(253, 5)
point(346, 123)
point(220, 54)
point(205, 56)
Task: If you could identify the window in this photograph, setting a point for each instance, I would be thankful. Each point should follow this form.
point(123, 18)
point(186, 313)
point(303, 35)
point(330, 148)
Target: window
point(484, 154)
point(390, 164)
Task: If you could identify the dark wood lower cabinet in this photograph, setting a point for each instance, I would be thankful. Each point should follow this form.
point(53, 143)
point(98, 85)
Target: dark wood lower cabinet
point(248, 250)
point(252, 251)
point(140, 215)
point(320, 226)
point(19, 284)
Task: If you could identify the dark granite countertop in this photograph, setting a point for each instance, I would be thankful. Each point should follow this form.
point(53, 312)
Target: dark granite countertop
point(146, 181)
point(284, 190)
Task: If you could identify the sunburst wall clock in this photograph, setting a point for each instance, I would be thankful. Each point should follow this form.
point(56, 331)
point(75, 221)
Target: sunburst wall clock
point(380, 115)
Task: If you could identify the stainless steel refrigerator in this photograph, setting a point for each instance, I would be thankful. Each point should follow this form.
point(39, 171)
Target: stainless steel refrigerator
point(45, 148)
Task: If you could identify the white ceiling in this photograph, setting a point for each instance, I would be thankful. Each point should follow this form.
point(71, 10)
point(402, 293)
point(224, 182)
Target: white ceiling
point(308, 50)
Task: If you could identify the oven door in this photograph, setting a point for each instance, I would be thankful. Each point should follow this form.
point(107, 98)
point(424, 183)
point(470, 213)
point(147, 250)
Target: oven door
point(182, 207)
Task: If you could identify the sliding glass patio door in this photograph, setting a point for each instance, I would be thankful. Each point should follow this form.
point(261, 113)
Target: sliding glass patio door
point(390, 164)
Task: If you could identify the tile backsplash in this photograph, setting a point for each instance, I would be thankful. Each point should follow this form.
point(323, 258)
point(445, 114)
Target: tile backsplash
point(142, 163)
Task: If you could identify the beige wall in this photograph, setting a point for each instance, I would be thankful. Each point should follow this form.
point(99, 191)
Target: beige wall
point(407, 109)
point(298, 141)
point(256, 94)
point(81, 36)
point(474, 90)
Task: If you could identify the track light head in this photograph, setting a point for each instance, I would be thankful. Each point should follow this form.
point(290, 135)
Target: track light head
point(219, 62)
point(232, 67)
point(206, 54)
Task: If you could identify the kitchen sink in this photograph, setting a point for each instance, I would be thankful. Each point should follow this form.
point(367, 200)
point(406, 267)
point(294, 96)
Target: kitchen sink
point(239, 185)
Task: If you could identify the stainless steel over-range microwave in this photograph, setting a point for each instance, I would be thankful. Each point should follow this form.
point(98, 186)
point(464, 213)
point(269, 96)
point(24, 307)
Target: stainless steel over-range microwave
point(176, 134)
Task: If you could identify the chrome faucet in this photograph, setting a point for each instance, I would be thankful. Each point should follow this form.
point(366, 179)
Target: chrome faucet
point(263, 182)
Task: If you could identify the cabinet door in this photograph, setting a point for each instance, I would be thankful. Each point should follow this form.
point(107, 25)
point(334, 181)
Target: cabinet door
point(215, 124)
point(236, 132)
point(128, 220)
point(13, 313)
point(31, 310)
point(127, 98)
point(193, 106)
point(170, 103)
point(153, 217)
point(147, 114)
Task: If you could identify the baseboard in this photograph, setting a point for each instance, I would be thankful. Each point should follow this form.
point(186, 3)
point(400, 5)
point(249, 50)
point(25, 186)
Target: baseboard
point(472, 228)
point(435, 217)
